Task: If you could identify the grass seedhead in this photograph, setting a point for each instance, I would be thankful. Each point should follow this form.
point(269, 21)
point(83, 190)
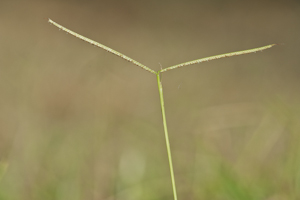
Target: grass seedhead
point(160, 88)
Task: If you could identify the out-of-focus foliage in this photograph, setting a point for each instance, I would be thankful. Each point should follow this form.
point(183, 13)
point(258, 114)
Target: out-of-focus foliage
point(78, 123)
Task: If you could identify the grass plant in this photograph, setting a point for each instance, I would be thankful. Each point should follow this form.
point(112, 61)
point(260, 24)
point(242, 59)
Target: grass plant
point(159, 83)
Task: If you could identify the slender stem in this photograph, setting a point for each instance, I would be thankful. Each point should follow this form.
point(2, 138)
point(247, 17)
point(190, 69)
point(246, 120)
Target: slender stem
point(160, 89)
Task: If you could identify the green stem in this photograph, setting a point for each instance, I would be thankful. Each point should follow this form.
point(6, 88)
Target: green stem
point(160, 89)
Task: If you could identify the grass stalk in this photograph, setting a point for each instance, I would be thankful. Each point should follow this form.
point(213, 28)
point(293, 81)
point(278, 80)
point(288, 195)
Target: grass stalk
point(160, 88)
point(161, 96)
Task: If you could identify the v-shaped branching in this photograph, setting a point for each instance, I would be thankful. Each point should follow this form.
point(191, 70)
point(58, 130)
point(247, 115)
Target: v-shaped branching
point(162, 70)
point(160, 89)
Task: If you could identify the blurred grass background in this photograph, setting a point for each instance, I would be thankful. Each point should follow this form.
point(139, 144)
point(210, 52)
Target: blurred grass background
point(78, 123)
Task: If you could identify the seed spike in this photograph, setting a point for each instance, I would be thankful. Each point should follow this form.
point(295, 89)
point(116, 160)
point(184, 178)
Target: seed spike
point(237, 53)
point(101, 46)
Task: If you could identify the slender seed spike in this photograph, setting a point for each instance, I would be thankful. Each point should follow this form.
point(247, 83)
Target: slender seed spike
point(218, 57)
point(101, 46)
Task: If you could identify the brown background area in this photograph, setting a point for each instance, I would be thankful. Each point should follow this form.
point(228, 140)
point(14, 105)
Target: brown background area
point(72, 115)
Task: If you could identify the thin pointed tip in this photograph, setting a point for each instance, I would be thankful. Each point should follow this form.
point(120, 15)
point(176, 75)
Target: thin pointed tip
point(280, 43)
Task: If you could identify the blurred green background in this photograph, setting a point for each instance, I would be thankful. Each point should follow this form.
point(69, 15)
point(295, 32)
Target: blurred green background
point(79, 123)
